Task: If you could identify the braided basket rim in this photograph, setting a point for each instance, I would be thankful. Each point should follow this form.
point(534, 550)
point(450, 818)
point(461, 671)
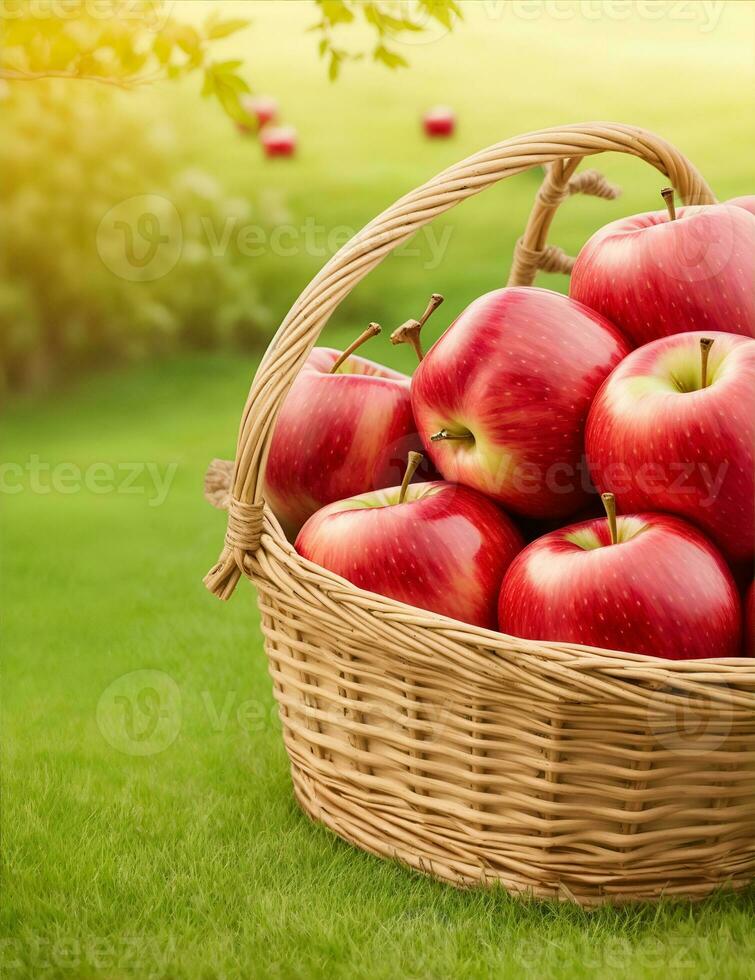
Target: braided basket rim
point(740, 669)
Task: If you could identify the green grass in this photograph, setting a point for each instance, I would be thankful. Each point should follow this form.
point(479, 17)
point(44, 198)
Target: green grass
point(194, 861)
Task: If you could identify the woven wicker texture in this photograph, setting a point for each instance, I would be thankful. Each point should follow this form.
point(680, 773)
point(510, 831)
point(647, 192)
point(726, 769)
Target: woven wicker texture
point(477, 757)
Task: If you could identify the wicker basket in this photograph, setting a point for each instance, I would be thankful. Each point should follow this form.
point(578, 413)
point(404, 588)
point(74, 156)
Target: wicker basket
point(552, 769)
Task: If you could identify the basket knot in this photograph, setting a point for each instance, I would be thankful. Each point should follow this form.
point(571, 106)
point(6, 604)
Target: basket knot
point(550, 195)
point(244, 525)
point(242, 536)
point(594, 183)
point(527, 261)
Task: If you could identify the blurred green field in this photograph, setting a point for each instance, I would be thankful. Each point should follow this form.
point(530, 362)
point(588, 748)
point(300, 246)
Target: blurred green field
point(194, 861)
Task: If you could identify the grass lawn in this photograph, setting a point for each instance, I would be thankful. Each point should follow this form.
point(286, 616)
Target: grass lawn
point(194, 861)
point(136, 843)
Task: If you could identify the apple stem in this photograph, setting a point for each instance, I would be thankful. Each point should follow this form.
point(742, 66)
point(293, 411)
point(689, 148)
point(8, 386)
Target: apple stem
point(409, 332)
point(668, 196)
point(609, 502)
point(445, 434)
point(372, 331)
point(413, 461)
point(705, 345)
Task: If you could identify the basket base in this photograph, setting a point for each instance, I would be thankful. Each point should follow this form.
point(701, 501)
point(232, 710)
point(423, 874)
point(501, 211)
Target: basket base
point(358, 824)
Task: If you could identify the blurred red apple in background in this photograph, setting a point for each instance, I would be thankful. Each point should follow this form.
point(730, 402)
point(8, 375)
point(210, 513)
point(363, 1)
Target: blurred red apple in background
point(340, 428)
point(264, 107)
point(673, 429)
point(278, 141)
point(432, 545)
point(439, 121)
point(261, 109)
point(645, 583)
point(654, 276)
point(501, 399)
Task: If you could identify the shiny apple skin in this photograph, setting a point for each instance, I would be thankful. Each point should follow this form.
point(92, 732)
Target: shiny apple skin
point(445, 548)
point(746, 201)
point(666, 592)
point(337, 435)
point(518, 368)
point(654, 277)
point(690, 453)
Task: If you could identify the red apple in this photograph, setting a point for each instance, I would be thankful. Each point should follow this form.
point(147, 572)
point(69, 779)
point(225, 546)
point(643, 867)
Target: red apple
point(653, 276)
point(439, 121)
point(749, 644)
point(645, 583)
point(501, 399)
point(662, 437)
point(345, 427)
point(433, 545)
point(264, 107)
point(747, 201)
point(261, 108)
point(278, 141)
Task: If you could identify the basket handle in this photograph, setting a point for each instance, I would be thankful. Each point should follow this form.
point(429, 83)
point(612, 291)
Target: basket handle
point(531, 252)
point(560, 147)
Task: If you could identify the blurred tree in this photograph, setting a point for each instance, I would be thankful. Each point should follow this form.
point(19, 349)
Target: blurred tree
point(84, 177)
point(128, 43)
point(75, 294)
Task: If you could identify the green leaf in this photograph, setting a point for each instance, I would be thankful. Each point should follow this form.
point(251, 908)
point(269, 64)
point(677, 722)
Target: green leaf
point(389, 58)
point(226, 66)
point(229, 100)
point(335, 65)
point(442, 11)
point(187, 38)
point(224, 28)
point(335, 12)
point(208, 86)
point(383, 21)
point(63, 50)
point(162, 48)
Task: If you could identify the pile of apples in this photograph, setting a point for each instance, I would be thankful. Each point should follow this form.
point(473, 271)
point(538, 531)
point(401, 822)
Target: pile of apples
point(613, 429)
